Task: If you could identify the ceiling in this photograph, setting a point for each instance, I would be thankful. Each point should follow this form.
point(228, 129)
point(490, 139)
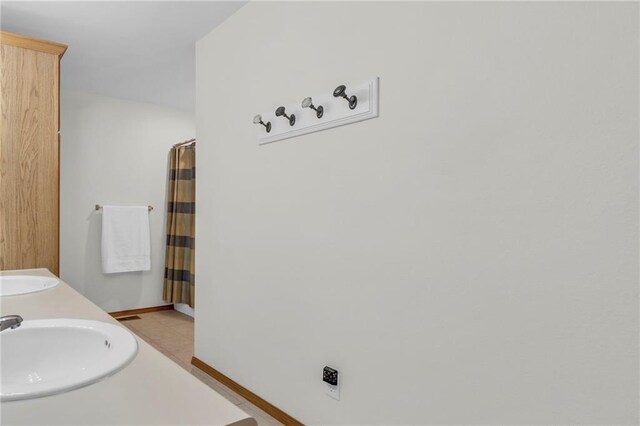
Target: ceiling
point(138, 50)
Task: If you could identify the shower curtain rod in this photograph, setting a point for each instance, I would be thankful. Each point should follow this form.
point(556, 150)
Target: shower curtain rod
point(184, 143)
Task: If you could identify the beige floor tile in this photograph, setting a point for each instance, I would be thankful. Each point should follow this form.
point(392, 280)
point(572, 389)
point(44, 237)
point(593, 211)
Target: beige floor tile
point(144, 325)
point(177, 343)
point(184, 356)
point(147, 319)
point(187, 335)
point(164, 350)
point(163, 335)
point(183, 328)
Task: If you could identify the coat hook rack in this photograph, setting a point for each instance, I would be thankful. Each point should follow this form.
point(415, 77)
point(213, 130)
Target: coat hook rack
point(362, 104)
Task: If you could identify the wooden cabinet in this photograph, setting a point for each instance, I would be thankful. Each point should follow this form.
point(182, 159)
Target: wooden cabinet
point(29, 152)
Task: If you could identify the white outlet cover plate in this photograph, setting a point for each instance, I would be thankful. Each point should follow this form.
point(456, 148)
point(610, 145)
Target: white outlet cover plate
point(336, 113)
point(333, 391)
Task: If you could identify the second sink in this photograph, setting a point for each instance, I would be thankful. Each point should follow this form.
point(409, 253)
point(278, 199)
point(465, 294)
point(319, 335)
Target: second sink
point(45, 357)
point(13, 285)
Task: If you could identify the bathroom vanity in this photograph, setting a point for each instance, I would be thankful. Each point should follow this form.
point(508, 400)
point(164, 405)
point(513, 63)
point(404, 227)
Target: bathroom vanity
point(151, 390)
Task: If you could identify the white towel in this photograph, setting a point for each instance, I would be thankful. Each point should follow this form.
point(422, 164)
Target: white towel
point(126, 242)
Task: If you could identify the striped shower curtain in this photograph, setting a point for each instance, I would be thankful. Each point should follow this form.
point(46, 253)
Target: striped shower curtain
point(179, 269)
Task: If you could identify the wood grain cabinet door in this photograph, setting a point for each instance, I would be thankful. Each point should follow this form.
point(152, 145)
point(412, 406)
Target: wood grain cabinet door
point(29, 158)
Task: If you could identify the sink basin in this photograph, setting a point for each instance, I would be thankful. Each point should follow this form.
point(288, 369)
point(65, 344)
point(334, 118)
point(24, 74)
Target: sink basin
point(46, 357)
point(12, 285)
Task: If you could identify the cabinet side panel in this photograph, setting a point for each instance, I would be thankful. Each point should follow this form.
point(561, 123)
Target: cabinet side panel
point(29, 160)
point(9, 169)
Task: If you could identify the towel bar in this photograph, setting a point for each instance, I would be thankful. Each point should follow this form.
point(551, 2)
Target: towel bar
point(98, 207)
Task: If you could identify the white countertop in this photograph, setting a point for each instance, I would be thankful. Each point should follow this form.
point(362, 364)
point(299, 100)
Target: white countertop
point(152, 390)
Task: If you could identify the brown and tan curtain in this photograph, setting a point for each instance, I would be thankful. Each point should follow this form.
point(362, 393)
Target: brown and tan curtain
point(179, 279)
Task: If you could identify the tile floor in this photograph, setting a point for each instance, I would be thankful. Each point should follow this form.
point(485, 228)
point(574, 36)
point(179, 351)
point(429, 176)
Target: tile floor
point(171, 333)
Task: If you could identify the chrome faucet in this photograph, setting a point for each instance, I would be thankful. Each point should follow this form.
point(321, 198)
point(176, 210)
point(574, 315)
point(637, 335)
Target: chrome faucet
point(10, 321)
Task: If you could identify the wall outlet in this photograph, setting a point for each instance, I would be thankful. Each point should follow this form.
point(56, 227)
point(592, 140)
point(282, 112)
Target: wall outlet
point(333, 391)
point(330, 379)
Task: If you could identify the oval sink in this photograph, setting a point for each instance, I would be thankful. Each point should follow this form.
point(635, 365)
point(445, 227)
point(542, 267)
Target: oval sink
point(12, 285)
point(46, 357)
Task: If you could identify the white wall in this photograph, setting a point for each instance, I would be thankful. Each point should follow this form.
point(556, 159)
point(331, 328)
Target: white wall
point(114, 151)
point(470, 256)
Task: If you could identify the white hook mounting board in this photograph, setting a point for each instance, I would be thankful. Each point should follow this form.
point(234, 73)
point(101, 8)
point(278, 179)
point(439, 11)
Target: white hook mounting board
point(336, 113)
